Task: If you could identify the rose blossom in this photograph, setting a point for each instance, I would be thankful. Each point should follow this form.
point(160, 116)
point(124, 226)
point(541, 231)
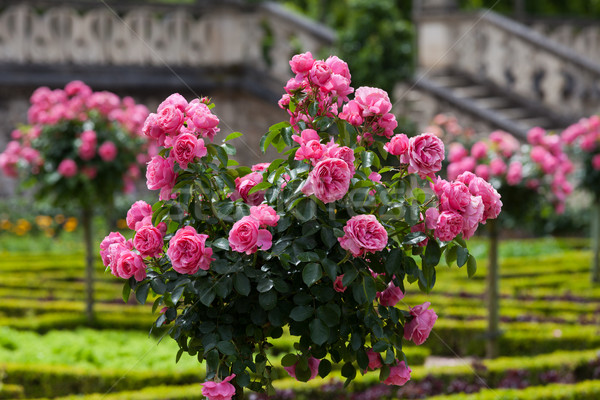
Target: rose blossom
point(245, 236)
point(138, 215)
point(243, 186)
point(265, 215)
point(418, 328)
point(399, 374)
point(161, 175)
point(398, 145)
point(187, 251)
point(313, 365)
point(67, 168)
point(374, 360)
point(320, 73)
point(302, 63)
point(479, 150)
point(260, 167)
point(449, 225)
point(148, 241)
point(219, 390)
point(455, 197)
point(130, 264)
point(170, 119)
point(425, 154)
point(186, 148)
point(338, 286)
point(489, 195)
point(329, 180)
point(456, 152)
point(87, 149)
point(343, 153)
point(390, 296)
point(107, 151)
point(313, 149)
point(497, 167)
point(372, 101)
point(515, 173)
point(112, 238)
point(596, 162)
point(472, 215)
point(363, 234)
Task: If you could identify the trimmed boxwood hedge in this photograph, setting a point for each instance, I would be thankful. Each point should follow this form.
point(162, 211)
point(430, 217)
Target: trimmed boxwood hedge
point(11, 391)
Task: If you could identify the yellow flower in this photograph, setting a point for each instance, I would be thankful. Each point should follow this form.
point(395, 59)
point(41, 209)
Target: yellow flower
point(43, 221)
point(5, 225)
point(71, 224)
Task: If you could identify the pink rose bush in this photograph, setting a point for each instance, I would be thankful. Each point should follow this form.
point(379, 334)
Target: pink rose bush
point(80, 145)
point(528, 175)
point(320, 242)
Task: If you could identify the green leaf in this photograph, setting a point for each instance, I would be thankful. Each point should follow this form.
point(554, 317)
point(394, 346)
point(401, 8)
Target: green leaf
point(330, 314)
point(311, 273)
point(471, 266)
point(362, 359)
point(462, 255)
point(330, 267)
point(241, 283)
point(412, 214)
point(289, 360)
point(432, 253)
point(301, 313)
point(207, 295)
point(368, 286)
point(221, 243)
point(450, 255)
point(268, 300)
point(226, 348)
point(319, 332)
point(126, 291)
point(367, 158)
point(264, 285)
point(324, 368)
point(141, 292)
point(348, 371)
point(309, 256)
point(350, 273)
point(393, 262)
point(157, 285)
point(260, 186)
point(419, 194)
point(233, 135)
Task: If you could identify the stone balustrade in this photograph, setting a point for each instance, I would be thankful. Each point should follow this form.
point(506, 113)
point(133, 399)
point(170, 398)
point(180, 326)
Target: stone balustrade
point(513, 57)
point(261, 36)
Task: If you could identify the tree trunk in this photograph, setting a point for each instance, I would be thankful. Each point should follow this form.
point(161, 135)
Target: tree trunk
point(492, 298)
point(86, 220)
point(596, 241)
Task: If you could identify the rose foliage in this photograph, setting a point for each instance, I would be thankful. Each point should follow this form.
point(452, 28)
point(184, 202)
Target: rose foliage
point(528, 175)
point(320, 242)
point(79, 145)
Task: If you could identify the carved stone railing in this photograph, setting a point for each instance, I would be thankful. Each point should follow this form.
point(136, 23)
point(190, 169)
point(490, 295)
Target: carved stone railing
point(229, 33)
point(512, 56)
point(581, 36)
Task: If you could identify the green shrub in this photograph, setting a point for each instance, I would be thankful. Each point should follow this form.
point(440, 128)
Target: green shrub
point(11, 391)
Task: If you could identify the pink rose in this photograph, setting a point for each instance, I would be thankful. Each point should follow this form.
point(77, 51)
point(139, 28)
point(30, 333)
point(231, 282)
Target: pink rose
point(483, 171)
point(152, 130)
point(246, 236)
point(399, 374)
point(536, 135)
point(312, 150)
point(186, 148)
point(390, 296)
point(418, 328)
point(449, 225)
point(243, 186)
point(170, 119)
point(372, 101)
point(130, 264)
point(112, 238)
point(219, 390)
point(596, 162)
point(313, 365)
point(329, 180)
point(107, 151)
point(431, 216)
point(302, 63)
point(138, 215)
point(425, 154)
point(489, 195)
point(337, 284)
point(187, 251)
point(67, 168)
point(363, 234)
point(456, 152)
point(306, 136)
point(343, 153)
point(176, 101)
point(479, 150)
point(148, 241)
point(87, 149)
point(515, 173)
point(265, 215)
point(497, 167)
point(320, 73)
point(260, 167)
point(472, 215)
point(203, 119)
point(161, 175)
point(456, 197)
point(374, 360)
point(352, 113)
point(398, 145)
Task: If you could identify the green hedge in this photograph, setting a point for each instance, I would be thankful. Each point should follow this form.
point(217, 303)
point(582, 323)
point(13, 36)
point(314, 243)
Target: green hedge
point(187, 392)
point(54, 380)
point(11, 391)
point(52, 321)
point(588, 390)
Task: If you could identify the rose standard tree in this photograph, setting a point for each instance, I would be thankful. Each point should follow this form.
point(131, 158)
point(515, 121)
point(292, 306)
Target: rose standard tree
point(320, 242)
point(532, 179)
point(79, 149)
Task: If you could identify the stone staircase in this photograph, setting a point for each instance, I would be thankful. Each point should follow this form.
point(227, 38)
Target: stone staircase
point(494, 73)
